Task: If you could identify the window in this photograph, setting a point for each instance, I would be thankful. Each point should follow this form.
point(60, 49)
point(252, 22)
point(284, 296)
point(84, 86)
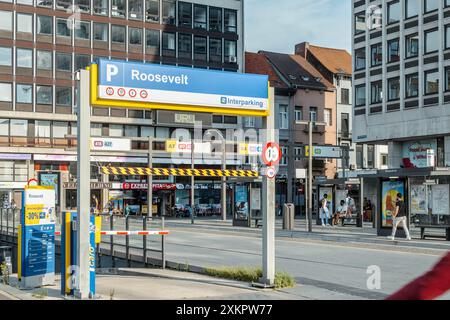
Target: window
point(100, 31)
point(360, 22)
point(327, 116)
point(118, 34)
point(184, 14)
point(200, 46)
point(24, 23)
point(135, 9)
point(96, 129)
point(283, 117)
point(284, 156)
point(431, 82)
point(370, 156)
point(376, 90)
point(153, 38)
point(431, 5)
point(298, 113)
point(230, 21)
point(345, 124)
point(135, 35)
point(377, 54)
point(19, 127)
point(43, 3)
point(412, 8)
point(345, 96)
point(393, 51)
point(63, 4)
point(431, 41)
point(152, 10)
point(393, 89)
point(298, 152)
point(185, 46)
point(64, 96)
point(199, 17)
point(44, 60)
point(249, 122)
point(5, 92)
point(412, 45)
point(27, 2)
point(360, 95)
point(5, 56)
point(44, 95)
point(359, 156)
point(44, 25)
point(168, 41)
point(60, 129)
point(101, 7)
point(168, 11)
point(394, 12)
point(215, 50)
point(215, 19)
point(63, 62)
point(360, 59)
point(24, 93)
point(447, 79)
point(313, 114)
point(4, 127)
point(81, 61)
point(412, 85)
point(384, 159)
point(24, 58)
point(83, 5)
point(447, 37)
point(116, 130)
point(6, 20)
point(42, 129)
point(118, 8)
point(62, 28)
point(230, 51)
point(83, 30)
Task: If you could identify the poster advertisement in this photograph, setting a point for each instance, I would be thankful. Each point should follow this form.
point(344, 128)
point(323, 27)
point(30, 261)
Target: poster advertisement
point(390, 189)
point(440, 198)
point(329, 192)
point(417, 152)
point(340, 195)
point(241, 203)
point(418, 196)
point(50, 179)
point(255, 199)
point(37, 243)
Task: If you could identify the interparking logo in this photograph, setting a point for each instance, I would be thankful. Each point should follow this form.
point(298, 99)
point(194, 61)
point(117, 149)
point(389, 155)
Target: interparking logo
point(223, 100)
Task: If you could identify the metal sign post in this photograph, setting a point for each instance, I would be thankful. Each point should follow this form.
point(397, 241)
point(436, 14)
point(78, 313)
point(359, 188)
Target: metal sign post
point(83, 185)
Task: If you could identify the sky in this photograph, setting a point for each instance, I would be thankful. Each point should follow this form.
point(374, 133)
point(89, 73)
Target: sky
point(278, 25)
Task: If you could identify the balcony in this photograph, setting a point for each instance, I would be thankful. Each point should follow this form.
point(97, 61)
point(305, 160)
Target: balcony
point(345, 135)
point(317, 128)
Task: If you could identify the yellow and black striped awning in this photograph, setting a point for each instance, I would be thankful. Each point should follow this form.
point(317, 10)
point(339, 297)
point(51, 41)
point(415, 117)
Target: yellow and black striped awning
point(128, 171)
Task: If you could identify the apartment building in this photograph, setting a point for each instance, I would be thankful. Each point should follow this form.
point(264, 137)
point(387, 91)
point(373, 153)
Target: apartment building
point(401, 80)
point(335, 65)
point(42, 45)
point(301, 93)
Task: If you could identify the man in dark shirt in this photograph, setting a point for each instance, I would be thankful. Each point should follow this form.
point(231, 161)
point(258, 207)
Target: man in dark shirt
point(398, 217)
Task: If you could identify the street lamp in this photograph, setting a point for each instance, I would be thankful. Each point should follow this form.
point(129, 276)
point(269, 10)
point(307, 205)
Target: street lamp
point(310, 149)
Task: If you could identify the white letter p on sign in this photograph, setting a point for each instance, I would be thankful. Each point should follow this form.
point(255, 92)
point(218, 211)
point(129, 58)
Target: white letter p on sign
point(111, 70)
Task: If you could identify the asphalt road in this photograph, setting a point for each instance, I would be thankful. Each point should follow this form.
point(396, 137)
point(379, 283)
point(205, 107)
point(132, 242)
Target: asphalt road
point(322, 270)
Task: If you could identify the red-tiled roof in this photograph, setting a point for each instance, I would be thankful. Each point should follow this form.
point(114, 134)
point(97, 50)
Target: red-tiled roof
point(335, 60)
point(257, 63)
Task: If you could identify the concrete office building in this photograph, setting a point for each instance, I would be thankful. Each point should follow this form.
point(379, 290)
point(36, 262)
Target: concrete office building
point(40, 50)
point(336, 66)
point(401, 62)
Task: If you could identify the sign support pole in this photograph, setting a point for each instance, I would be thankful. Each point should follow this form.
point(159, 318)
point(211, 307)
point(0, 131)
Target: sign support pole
point(268, 193)
point(224, 181)
point(192, 182)
point(150, 179)
point(310, 178)
point(83, 188)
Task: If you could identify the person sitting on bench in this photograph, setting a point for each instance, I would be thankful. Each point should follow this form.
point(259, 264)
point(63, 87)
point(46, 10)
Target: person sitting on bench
point(341, 212)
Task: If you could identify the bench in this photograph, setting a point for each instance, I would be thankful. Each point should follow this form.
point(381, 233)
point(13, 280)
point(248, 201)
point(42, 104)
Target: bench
point(423, 227)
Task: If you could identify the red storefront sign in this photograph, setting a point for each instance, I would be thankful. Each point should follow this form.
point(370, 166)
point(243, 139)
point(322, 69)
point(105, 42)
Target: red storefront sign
point(144, 186)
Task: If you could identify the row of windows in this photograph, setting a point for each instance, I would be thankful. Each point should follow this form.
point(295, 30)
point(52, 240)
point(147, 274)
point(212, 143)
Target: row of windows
point(394, 14)
point(43, 94)
point(431, 86)
point(431, 45)
point(283, 115)
point(189, 15)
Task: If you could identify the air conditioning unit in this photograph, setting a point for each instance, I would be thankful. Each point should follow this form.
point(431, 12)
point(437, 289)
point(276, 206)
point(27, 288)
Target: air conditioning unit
point(232, 59)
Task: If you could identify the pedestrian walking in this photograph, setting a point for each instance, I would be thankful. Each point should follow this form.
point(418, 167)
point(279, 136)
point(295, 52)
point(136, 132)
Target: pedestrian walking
point(324, 211)
point(398, 217)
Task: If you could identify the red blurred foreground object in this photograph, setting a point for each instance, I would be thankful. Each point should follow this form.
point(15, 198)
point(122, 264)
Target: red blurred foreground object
point(429, 286)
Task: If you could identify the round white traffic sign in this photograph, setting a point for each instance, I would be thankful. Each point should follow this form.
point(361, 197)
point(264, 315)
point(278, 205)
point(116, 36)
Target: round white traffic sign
point(271, 172)
point(271, 154)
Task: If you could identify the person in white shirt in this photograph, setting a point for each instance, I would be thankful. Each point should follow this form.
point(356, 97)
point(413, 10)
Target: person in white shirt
point(324, 212)
point(341, 212)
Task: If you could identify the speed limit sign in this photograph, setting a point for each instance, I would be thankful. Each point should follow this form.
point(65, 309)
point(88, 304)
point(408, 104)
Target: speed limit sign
point(271, 154)
point(271, 172)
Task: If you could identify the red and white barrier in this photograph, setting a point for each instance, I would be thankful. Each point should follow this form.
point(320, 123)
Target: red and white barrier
point(128, 233)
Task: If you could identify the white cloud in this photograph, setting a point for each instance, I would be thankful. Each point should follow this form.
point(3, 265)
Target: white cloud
point(277, 25)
